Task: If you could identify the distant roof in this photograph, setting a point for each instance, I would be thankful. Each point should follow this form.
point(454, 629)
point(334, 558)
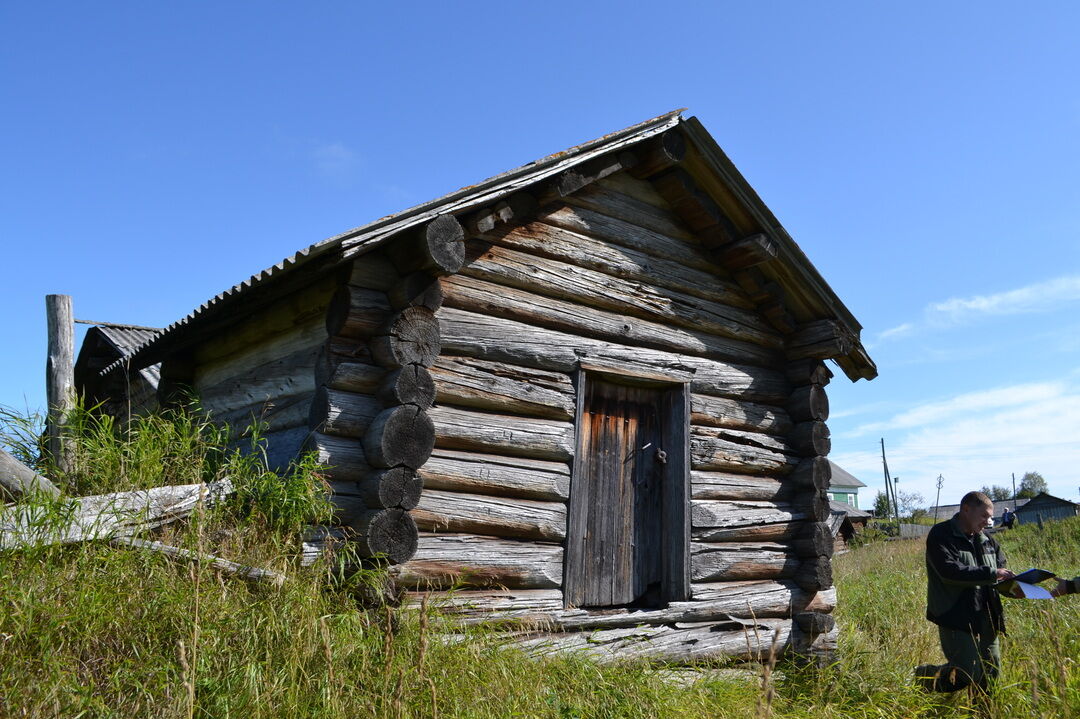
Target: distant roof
point(1042, 499)
point(794, 271)
point(945, 511)
point(838, 507)
point(127, 337)
point(842, 478)
point(107, 341)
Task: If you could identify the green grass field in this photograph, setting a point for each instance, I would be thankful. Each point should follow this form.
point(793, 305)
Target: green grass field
point(90, 630)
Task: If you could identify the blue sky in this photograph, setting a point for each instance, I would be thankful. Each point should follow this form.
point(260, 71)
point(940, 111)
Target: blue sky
point(926, 156)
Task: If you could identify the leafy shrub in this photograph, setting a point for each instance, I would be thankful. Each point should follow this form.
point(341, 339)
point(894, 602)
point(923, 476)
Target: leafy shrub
point(868, 535)
point(283, 502)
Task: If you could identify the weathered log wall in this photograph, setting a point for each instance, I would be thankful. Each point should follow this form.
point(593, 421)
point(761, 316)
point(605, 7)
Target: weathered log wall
point(370, 421)
point(454, 366)
point(262, 369)
point(583, 283)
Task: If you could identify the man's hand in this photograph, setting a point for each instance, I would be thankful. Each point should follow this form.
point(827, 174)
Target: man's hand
point(1003, 574)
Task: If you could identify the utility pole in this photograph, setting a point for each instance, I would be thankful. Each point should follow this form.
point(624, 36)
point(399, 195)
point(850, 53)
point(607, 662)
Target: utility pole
point(1014, 491)
point(937, 502)
point(889, 493)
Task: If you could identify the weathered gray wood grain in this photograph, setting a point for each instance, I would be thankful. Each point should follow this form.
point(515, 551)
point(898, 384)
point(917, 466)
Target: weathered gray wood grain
point(18, 480)
point(730, 486)
point(102, 516)
point(497, 475)
point(59, 378)
point(500, 340)
point(543, 608)
point(679, 644)
point(511, 517)
point(613, 230)
point(729, 561)
point(253, 574)
point(474, 295)
point(728, 450)
point(464, 429)
point(545, 240)
point(504, 388)
point(709, 411)
point(563, 280)
point(447, 560)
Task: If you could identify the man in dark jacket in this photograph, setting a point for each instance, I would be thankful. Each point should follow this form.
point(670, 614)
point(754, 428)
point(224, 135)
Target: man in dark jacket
point(962, 565)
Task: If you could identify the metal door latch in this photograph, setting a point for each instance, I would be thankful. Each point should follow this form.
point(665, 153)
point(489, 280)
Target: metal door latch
point(661, 456)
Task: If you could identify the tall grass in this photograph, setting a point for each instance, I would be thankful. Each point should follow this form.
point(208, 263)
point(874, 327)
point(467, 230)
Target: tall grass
point(882, 607)
point(91, 630)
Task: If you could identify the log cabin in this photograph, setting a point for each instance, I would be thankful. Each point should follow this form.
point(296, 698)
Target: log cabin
point(583, 399)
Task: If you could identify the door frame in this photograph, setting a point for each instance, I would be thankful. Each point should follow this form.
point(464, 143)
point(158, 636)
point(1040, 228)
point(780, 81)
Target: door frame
point(675, 504)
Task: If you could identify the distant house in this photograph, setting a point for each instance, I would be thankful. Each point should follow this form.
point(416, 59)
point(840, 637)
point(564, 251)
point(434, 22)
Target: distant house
point(1045, 507)
point(946, 511)
point(846, 521)
point(843, 487)
point(118, 393)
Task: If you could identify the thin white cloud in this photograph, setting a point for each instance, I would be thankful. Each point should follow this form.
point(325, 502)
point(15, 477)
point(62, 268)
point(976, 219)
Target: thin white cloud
point(964, 405)
point(1040, 297)
point(891, 334)
point(1048, 296)
point(860, 409)
point(973, 440)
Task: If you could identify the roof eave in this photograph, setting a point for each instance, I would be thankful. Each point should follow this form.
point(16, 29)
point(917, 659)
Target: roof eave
point(857, 364)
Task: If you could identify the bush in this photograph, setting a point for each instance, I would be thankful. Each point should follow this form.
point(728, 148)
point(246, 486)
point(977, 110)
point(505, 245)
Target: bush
point(868, 535)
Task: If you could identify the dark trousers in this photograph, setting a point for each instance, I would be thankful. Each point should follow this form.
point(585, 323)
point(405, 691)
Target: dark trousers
point(972, 657)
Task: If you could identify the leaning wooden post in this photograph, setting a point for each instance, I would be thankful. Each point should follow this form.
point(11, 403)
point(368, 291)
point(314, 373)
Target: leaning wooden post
point(59, 377)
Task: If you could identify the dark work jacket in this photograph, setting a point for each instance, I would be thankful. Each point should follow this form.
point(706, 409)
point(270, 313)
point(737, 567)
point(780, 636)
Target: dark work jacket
point(960, 572)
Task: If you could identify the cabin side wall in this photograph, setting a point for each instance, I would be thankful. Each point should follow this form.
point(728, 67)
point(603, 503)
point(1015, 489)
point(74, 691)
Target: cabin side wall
point(262, 368)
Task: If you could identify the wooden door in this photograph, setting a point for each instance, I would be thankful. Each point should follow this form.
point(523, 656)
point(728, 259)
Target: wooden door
point(628, 538)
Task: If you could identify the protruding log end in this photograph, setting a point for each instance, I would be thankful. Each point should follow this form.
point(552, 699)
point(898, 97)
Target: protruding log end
point(815, 505)
point(808, 402)
point(356, 312)
point(400, 436)
point(517, 208)
point(813, 575)
point(387, 533)
point(696, 207)
point(663, 152)
point(411, 336)
point(811, 438)
point(814, 623)
point(419, 289)
point(398, 487)
point(808, 371)
point(412, 384)
point(18, 480)
point(745, 252)
point(813, 472)
point(438, 248)
point(572, 180)
point(820, 339)
point(816, 540)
